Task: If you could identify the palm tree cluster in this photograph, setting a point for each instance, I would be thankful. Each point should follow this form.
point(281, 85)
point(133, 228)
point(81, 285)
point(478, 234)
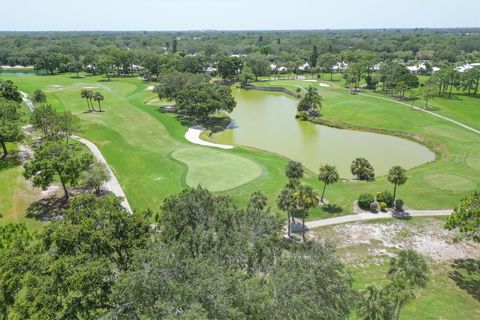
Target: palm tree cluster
point(296, 199)
point(91, 96)
point(408, 272)
point(311, 101)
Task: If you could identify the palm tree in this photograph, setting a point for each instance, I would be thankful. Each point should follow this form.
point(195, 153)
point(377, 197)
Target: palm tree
point(362, 169)
point(408, 271)
point(304, 198)
point(311, 100)
point(285, 203)
point(97, 96)
point(84, 94)
point(328, 175)
point(397, 176)
point(373, 304)
point(400, 293)
point(90, 96)
point(294, 170)
point(411, 267)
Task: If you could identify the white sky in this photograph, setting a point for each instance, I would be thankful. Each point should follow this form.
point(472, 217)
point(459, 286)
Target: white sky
point(36, 15)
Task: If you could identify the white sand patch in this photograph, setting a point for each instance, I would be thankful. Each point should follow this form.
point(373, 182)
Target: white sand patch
point(150, 88)
point(322, 84)
point(50, 190)
point(90, 88)
point(193, 135)
point(309, 80)
point(431, 240)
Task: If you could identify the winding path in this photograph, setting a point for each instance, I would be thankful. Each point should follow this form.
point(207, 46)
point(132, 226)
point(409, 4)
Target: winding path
point(374, 216)
point(112, 184)
point(426, 111)
point(193, 135)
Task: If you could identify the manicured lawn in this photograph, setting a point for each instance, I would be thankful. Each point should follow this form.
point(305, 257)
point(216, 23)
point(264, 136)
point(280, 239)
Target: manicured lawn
point(141, 145)
point(216, 171)
point(441, 299)
point(16, 194)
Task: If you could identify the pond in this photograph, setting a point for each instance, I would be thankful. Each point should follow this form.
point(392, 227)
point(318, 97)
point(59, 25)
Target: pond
point(266, 120)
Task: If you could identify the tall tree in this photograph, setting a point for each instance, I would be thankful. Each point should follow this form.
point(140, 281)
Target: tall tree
point(294, 170)
point(9, 91)
point(85, 94)
point(174, 45)
point(98, 97)
point(465, 219)
point(285, 203)
point(304, 198)
point(52, 159)
point(39, 97)
point(328, 174)
point(311, 100)
point(361, 168)
point(374, 304)
point(202, 100)
point(259, 64)
point(314, 57)
point(327, 61)
point(397, 176)
point(10, 123)
point(96, 175)
point(408, 271)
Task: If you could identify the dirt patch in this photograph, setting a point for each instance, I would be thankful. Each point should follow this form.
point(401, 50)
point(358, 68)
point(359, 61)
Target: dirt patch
point(378, 241)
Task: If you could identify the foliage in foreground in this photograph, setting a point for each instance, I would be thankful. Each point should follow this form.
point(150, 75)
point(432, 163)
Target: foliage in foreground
point(206, 260)
point(466, 218)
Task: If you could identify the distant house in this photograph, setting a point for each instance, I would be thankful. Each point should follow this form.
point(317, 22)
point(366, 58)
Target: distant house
point(282, 69)
point(467, 66)
point(210, 70)
point(340, 67)
point(304, 67)
point(422, 69)
point(273, 66)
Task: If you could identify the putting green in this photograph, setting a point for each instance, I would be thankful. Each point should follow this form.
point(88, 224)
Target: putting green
point(216, 170)
point(449, 182)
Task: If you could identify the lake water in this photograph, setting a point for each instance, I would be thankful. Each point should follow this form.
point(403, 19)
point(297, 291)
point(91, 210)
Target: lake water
point(267, 121)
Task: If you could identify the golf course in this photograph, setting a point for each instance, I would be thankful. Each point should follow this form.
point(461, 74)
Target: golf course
point(147, 150)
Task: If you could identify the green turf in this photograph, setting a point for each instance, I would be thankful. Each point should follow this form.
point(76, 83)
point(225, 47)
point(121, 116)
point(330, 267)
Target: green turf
point(216, 171)
point(138, 140)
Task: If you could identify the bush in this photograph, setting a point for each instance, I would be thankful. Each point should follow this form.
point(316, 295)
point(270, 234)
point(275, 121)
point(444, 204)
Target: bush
point(386, 197)
point(374, 206)
point(383, 206)
point(364, 201)
point(399, 204)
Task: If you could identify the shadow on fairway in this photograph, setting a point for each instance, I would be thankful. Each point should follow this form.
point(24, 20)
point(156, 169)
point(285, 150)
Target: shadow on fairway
point(332, 209)
point(10, 161)
point(466, 274)
point(47, 209)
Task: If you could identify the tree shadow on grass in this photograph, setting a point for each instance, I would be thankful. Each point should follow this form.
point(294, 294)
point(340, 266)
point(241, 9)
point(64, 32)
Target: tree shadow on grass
point(332, 209)
point(213, 123)
point(10, 161)
point(47, 209)
point(466, 274)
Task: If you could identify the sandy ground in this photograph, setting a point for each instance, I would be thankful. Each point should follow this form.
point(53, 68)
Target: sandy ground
point(326, 85)
point(193, 135)
point(379, 241)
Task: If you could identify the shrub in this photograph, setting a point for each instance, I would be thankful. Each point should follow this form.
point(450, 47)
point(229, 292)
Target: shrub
point(383, 206)
point(374, 206)
point(298, 90)
point(386, 197)
point(399, 204)
point(364, 201)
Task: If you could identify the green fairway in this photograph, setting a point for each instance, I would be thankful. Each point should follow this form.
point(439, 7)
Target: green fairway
point(141, 145)
point(216, 171)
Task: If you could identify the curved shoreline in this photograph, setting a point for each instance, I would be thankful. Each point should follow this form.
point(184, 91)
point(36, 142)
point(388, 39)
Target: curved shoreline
point(193, 135)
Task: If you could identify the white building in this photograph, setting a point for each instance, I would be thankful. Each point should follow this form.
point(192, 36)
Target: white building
point(467, 66)
point(304, 67)
point(340, 67)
